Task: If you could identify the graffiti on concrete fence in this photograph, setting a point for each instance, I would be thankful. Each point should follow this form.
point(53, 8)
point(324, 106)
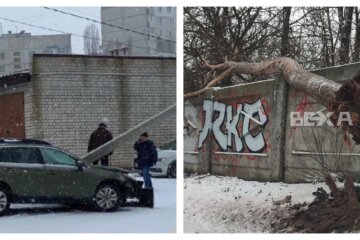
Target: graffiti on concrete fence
point(225, 123)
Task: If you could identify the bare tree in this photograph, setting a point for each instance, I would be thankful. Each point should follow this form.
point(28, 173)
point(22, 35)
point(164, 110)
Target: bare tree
point(228, 33)
point(322, 161)
point(356, 54)
point(285, 44)
point(315, 37)
point(222, 45)
point(345, 33)
point(91, 40)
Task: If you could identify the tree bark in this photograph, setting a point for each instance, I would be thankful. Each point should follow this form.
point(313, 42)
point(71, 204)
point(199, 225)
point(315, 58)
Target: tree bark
point(345, 35)
point(332, 48)
point(286, 31)
point(357, 36)
point(350, 193)
point(332, 186)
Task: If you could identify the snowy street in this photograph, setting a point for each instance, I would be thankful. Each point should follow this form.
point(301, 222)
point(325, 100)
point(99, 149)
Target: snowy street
point(27, 218)
point(215, 204)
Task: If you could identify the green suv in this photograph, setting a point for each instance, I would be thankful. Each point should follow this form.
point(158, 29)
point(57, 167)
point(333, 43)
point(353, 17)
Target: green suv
point(34, 171)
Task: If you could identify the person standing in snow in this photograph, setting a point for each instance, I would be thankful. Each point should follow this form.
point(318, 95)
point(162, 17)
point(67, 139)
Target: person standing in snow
point(146, 157)
point(99, 137)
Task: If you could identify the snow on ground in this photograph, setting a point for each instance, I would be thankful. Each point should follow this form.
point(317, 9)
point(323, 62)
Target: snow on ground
point(215, 204)
point(58, 219)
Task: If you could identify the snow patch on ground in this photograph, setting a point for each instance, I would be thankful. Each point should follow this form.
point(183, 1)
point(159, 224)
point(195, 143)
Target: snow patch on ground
point(36, 218)
point(215, 204)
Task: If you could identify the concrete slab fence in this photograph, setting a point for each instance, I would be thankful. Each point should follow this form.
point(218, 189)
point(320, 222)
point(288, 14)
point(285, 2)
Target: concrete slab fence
point(245, 131)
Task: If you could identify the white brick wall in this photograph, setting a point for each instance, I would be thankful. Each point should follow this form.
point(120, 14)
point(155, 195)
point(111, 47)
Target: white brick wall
point(70, 95)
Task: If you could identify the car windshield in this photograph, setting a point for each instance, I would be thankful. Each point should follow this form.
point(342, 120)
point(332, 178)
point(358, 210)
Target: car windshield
point(169, 146)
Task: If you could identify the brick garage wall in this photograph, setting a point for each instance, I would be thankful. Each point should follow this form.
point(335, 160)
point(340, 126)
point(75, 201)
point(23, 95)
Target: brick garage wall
point(71, 94)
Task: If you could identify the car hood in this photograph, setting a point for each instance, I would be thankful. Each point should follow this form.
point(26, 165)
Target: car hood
point(166, 153)
point(112, 169)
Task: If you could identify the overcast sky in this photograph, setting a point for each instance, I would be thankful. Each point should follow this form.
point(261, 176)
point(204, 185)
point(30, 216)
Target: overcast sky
point(50, 19)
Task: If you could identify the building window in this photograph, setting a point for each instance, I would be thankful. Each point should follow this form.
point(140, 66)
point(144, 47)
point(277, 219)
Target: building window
point(125, 52)
point(17, 66)
point(17, 60)
point(169, 9)
point(31, 53)
point(16, 54)
point(67, 49)
point(48, 51)
point(159, 9)
point(2, 68)
point(2, 56)
point(114, 52)
point(120, 52)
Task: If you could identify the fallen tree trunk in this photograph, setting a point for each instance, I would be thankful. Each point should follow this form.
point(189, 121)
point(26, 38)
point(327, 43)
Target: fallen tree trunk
point(336, 97)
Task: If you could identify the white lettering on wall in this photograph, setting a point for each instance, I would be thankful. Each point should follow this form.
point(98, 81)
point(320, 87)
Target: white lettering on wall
point(224, 122)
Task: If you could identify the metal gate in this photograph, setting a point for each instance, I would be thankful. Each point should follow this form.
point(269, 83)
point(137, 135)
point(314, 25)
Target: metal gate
point(12, 119)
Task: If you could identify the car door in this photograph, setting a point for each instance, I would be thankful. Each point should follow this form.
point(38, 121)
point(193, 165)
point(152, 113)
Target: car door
point(25, 171)
point(64, 178)
point(5, 175)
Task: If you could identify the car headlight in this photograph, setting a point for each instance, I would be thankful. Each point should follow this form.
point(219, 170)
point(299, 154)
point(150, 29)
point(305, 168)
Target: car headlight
point(131, 177)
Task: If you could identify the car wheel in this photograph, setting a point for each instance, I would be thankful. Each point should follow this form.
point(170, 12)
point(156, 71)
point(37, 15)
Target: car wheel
point(107, 198)
point(171, 173)
point(4, 201)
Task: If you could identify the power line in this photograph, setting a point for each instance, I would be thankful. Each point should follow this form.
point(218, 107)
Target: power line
point(110, 25)
point(32, 25)
point(92, 15)
point(82, 12)
point(73, 34)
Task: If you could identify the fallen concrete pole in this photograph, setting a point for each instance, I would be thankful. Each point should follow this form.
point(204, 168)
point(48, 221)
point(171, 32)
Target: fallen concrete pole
point(129, 135)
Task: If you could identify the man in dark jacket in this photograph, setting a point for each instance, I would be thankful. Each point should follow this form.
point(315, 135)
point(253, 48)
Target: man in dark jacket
point(146, 157)
point(99, 137)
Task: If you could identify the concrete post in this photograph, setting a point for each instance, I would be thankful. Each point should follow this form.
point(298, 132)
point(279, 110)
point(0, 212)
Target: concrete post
point(278, 131)
point(130, 134)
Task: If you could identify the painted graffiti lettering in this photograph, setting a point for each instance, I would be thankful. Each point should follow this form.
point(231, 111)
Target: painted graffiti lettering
point(311, 119)
point(219, 135)
point(224, 122)
point(254, 143)
point(231, 126)
point(208, 108)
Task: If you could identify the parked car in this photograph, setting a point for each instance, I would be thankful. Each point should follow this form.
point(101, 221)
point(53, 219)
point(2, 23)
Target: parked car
point(166, 163)
point(34, 171)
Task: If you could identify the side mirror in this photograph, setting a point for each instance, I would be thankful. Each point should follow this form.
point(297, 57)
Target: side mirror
point(80, 165)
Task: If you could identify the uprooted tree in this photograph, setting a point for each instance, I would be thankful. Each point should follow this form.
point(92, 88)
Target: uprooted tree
point(336, 97)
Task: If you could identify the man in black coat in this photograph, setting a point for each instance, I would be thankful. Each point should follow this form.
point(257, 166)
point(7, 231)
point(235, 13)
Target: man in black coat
point(146, 157)
point(99, 137)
